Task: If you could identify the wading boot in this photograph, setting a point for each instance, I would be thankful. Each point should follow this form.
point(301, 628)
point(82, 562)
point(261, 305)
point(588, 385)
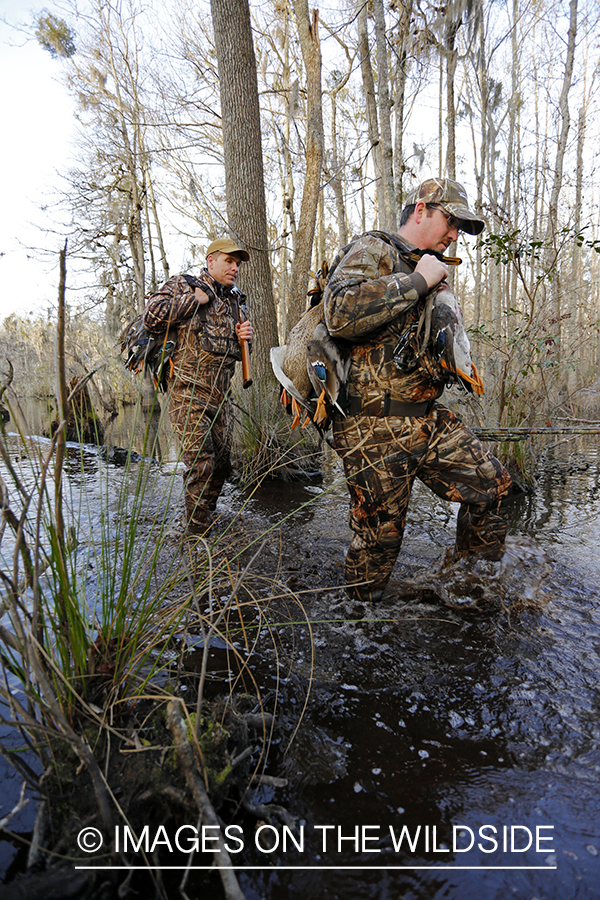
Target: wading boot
point(367, 572)
point(365, 593)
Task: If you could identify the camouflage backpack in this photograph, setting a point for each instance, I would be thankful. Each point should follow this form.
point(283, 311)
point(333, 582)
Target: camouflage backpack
point(151, 353)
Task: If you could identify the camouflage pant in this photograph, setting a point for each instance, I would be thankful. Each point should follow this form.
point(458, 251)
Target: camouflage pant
point(201, 416)
point(383, 456)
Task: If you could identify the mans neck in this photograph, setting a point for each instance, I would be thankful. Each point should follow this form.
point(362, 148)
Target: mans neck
point(407, 233)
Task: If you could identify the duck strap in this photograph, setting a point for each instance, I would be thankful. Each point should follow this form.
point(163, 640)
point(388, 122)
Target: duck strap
point(414, 343)
point(150, 353)
point(194, 283)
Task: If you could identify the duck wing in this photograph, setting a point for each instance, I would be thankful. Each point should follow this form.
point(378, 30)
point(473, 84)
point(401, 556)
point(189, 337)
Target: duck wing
point(450, 342)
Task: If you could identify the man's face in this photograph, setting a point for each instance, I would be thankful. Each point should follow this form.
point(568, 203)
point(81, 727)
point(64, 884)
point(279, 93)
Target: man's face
point(437, 228)
point(224, 267)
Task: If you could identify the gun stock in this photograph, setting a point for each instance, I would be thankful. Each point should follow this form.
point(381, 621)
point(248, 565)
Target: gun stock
point(246, 371)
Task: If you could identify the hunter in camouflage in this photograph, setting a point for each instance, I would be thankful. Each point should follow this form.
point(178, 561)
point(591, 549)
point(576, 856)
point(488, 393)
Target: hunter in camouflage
point(396, 430)
point(205, 312)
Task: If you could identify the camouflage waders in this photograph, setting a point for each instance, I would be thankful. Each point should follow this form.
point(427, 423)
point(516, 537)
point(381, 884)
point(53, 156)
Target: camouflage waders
point(201, 416)
point(383, 456)
point(199, 383)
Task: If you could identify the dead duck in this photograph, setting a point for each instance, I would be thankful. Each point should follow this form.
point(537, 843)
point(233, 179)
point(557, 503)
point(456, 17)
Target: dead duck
point(327, 369)
point(450, 343)
point(312, 369)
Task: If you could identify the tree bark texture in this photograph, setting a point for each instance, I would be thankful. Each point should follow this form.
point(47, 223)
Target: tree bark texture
point(308, 31)
point(563, 108)
point(244, 174)
point(400, 74)
point(371, 108)
point(385, 121)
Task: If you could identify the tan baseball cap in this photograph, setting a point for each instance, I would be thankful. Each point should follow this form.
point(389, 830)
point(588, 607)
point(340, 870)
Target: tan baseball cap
point(226, 245)
point(453, 197)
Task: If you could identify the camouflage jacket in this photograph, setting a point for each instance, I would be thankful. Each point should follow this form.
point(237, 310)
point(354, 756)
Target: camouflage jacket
point(205, 333)
point(371, 298)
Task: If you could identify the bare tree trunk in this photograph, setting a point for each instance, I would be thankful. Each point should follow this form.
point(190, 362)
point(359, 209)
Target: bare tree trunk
point(244, 176)
point(481, 173)
point(563, 107)
point(153, 284)
point(383, 94)
point(512, 116)
point(292, 91)
point(441, 119)
point(576, 258)
point(320, 242)
point(400, 82)
point(157, 225)
point(336, 176)
point(311, 54)
point(577, 321)
point(134, 183)
point(371, 107)
point(451, 55)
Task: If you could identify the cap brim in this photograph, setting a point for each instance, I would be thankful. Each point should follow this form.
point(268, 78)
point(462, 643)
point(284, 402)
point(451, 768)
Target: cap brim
point(469, 222)
point(472, 226)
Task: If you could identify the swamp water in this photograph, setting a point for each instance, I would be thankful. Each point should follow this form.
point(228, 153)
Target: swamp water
point(443, 752)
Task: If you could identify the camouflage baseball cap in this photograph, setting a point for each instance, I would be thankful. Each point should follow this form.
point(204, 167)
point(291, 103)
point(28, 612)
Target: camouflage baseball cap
point(226, 245)
point(453, 197)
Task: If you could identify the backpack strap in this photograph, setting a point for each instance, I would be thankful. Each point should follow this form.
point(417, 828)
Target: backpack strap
point(194, 283)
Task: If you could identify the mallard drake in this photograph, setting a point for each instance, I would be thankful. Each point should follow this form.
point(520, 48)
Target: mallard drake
point(450, 343)
point(327, 369)
point(312, 370)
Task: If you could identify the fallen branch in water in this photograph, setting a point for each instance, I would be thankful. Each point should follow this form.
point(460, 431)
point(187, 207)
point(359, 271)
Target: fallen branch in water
point(270, 781)
point(270, 812)
point(22, 801)
point(209, 817)
point(502, 434)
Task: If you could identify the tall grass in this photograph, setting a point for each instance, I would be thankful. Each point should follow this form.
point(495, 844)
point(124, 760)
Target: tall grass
point(100, 604)
point(265, 445)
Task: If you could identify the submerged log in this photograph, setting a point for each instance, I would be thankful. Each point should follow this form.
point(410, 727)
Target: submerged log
point(83, 425)
point(502, 434)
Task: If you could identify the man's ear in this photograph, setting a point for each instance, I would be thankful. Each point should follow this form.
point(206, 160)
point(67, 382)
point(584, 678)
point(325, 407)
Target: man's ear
point(420, 211)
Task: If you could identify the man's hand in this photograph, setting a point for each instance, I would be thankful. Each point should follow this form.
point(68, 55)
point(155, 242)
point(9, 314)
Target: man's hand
point(432, 270)
point(244, 330)
point(201, 296)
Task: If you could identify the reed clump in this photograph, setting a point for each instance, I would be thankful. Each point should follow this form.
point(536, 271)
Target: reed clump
point(134, 660)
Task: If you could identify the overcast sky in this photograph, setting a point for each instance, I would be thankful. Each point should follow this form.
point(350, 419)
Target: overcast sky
point(37, 120)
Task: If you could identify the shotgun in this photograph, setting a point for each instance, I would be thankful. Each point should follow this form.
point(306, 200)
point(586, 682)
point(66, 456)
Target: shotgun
point(246, 372)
